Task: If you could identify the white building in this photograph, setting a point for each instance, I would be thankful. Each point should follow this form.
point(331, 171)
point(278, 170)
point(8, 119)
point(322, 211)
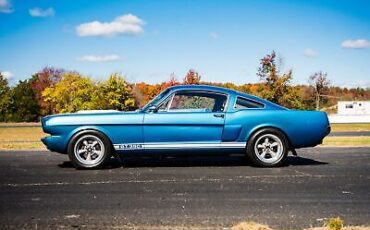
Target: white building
point(351, 112)
point(354, 107)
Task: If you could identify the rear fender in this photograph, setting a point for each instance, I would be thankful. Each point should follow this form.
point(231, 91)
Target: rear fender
point(272, 126)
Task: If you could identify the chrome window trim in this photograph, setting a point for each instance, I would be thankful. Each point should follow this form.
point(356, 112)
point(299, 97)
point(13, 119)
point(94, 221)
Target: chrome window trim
point(145, 107)
point(194, 90)
point(236, 99)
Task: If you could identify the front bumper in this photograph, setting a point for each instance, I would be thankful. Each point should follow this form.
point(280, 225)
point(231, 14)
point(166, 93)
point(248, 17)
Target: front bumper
point(54, 143)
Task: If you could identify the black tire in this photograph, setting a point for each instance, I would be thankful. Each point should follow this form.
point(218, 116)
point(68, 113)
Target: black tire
point(267, 147)
point(89, 149)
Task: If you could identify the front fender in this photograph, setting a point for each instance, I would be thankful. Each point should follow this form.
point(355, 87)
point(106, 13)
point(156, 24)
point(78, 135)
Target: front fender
point(86, 128)
point(61, 135)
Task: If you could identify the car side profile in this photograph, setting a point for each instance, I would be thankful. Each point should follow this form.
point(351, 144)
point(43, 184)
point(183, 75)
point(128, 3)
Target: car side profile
point(187, 119)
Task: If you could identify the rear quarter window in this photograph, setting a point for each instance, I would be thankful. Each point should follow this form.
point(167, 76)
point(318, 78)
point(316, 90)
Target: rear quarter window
point(243, 103)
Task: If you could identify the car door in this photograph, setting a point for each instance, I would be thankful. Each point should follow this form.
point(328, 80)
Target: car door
point(192, 119)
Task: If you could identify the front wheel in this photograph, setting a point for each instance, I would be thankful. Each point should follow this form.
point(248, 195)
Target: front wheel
point(89, 150)
point(267, 148)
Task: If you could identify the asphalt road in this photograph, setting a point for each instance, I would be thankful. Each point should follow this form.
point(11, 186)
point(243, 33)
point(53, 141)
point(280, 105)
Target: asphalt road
point(43, 190)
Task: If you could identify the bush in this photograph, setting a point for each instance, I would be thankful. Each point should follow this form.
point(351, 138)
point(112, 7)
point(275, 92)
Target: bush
point(335, 223)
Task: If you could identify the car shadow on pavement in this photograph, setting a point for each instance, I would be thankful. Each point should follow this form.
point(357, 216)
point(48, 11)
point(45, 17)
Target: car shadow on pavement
point(207, 161)
point(192, 161)
point(111, 164)
point(184, 161)
point(300, 161)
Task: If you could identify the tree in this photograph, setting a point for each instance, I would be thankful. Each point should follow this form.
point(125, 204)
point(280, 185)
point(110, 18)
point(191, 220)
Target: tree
point(23, 104)
point(192, 78)
point(72, 93)
point(4, 96)
point(276, 87)
point(114, 93)
point(144, 92)
point(45, 78)
point(320, 86)
point(171, 82)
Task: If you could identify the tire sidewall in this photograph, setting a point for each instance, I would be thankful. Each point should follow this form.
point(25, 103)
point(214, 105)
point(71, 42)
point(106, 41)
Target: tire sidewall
point(252, 155)
point(102, 137)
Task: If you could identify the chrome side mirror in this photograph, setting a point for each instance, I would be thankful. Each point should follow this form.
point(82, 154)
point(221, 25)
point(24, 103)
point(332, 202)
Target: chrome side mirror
point(152, 109)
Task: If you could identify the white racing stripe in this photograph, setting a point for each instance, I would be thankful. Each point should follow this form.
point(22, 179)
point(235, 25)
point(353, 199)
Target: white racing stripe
point(154, 146)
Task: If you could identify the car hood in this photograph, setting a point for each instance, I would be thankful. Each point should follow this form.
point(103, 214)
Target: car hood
point(89, 112)
point(91, 117)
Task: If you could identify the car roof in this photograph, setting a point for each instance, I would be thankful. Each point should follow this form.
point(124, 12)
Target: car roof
point(204, 87)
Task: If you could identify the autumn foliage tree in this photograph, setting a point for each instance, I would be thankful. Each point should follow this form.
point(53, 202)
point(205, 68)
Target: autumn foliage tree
point(114, 93)
point(45, 78)
point(171, 82)
point(276, 87)
point(192, 78)
point(72, 93)
point(75, 92)
point(144, 92)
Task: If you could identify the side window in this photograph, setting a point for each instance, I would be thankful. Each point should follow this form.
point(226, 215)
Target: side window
point(164, 106)
point(243, 103)
point(193, 101)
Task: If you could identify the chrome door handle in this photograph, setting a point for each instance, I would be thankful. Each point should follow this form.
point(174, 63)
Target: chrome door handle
point(220, 115)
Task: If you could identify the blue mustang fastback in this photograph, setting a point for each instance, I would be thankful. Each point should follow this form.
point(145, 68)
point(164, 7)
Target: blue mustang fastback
point(191, 118)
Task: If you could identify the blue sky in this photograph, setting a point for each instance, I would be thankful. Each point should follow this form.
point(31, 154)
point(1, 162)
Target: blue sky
point(222, 40)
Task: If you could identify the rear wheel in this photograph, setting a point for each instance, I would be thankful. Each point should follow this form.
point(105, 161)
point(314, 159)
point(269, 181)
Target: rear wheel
point(267, 148)
point(89, 150)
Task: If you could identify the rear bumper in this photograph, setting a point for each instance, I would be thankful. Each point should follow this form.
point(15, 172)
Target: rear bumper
point(328, 130)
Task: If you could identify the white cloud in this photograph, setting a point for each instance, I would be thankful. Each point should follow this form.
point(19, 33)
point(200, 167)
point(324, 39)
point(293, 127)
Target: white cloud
point(99, 58)
point(5, 7)
point(356, 44)
point(38, 12)
point(128, 24)
point(7, 74)
point(214, 35)
point(310, 53)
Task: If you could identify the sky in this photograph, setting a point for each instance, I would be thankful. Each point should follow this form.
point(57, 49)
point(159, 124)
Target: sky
point(149, 40)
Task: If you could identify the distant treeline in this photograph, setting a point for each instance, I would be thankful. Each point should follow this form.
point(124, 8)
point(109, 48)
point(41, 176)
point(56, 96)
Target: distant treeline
point(53, 90)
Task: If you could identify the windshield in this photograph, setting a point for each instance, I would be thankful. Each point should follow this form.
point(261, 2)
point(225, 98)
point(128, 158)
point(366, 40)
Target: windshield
point(156, 100)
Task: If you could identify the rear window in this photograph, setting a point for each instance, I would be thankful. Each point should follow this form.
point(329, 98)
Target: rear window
point(243, 103)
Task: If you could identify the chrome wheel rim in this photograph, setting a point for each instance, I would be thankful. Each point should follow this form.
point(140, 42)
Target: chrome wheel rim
point(89, 150)
point(269, 148)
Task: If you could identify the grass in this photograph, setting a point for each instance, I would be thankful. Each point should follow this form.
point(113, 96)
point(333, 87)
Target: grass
point(21, 133)
point(19, 124)
point(250, 225)
point(359, 141)
point(21, 137)
point(332, 224)
point(22, 146)
point(350, 127)
point(24, 136)
point(344, 228)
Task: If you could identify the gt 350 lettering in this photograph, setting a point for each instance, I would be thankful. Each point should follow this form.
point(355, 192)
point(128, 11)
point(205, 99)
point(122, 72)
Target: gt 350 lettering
point(130, 146)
